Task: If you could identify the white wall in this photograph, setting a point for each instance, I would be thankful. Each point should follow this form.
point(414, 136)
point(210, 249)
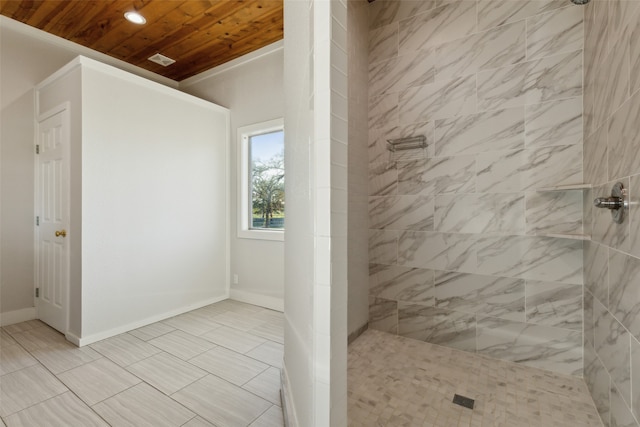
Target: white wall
point(27, 56)
point(253, 91)
point(153, 196)
point(24, 62)
point(315, 73)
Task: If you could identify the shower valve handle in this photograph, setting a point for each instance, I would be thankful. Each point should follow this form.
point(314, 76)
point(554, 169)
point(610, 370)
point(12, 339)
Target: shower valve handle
point(609, 202)
point(617, 203)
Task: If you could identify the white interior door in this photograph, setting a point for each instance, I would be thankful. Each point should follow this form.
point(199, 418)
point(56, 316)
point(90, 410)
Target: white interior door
point(52, 210)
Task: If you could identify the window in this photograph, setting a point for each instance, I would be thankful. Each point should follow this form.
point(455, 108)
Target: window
point(261, 181)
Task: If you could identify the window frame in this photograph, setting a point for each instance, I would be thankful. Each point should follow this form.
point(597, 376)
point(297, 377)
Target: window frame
point(244, 133)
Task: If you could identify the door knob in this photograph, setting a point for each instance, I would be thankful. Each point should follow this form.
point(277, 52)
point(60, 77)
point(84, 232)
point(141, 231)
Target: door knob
point(62, 233)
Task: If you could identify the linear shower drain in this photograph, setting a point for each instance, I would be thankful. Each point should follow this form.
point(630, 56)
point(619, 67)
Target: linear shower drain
point(463, 401)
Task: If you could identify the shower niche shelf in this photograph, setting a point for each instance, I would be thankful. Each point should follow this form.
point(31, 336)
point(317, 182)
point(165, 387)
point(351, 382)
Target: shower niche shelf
point(566, 236)
point(565, 187)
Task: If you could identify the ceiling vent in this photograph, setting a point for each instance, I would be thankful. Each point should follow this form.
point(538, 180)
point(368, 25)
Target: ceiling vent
point(162, 60)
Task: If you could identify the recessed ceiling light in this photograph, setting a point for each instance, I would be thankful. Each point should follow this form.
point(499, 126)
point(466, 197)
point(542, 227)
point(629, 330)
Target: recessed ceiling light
point(135, 17)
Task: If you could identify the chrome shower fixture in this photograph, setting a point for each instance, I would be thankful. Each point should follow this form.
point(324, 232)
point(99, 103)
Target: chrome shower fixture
point(617, 203)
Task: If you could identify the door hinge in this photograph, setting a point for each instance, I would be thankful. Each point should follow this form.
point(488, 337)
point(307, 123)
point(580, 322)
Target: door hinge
point(37, 148)
point(37, 220)
point(37, 292)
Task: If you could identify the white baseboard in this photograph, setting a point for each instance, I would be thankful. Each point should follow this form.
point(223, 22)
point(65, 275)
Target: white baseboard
point(90, 339)
point(257, 299)
point(288, 409)
point(17, 316)
point(72, 338)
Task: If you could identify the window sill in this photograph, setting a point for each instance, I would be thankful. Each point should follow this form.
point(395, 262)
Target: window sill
point(274, 235)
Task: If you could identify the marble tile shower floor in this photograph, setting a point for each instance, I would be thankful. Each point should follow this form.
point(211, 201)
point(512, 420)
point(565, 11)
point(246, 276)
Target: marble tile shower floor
point(215, 366)
point(396, 381)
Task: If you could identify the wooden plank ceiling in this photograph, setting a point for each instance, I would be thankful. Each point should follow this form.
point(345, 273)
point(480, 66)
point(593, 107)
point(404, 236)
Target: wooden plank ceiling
point(198, 34)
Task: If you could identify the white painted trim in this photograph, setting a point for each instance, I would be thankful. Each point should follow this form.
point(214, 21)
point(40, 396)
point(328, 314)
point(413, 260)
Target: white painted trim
point(288, 410)
point(238, 62)
point(260, 300)
point(228, 203)
point(29, 31)
point(17, 316)
point(72, 338)
point(82, 341)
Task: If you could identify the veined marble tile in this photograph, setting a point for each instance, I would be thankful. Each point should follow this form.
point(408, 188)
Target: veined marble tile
point(384, 12)
point(519, 170)
point(378, 151)
point(595, 155)
point(624, 299)
point(403, 72)
point(555, 32)
point(383, 246)
point(393, 282)
point(554, 123)
point(554, 304)
point(438, 251)
point(634, 54)
point(437, 26)
point(546, 79)
point(437, 326)
point(634, 215)
point(606, 231)
point(490, 296)
point(621, 15)
point(616, 77)
point(596, 270)
point(383, 179)
point(492, 13)
point(480, 213)
point(554, 212)
point(383, 110)
point(491, 131)
point(495, 48)
point(383, 315)
point(438, 175)
point(612, 344)
point(635, 379)
point(439, 100)
point(554, 349)
point(534, 258)
point(598, 382)
point(587, 211)
point(620, 413)
point(595, 49)
point(624, 139)
point(383, 43)
point(401, 213)
point(589, 330)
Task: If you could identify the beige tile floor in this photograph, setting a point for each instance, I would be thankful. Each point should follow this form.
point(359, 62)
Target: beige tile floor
point(215, 366)
point(396, 381)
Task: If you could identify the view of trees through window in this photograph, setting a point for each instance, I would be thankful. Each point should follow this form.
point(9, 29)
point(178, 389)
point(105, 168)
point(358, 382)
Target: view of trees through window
point(267, 180)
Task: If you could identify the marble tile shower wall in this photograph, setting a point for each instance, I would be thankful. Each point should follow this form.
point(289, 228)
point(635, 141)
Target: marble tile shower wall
point(456, 243)
point(612, 257)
